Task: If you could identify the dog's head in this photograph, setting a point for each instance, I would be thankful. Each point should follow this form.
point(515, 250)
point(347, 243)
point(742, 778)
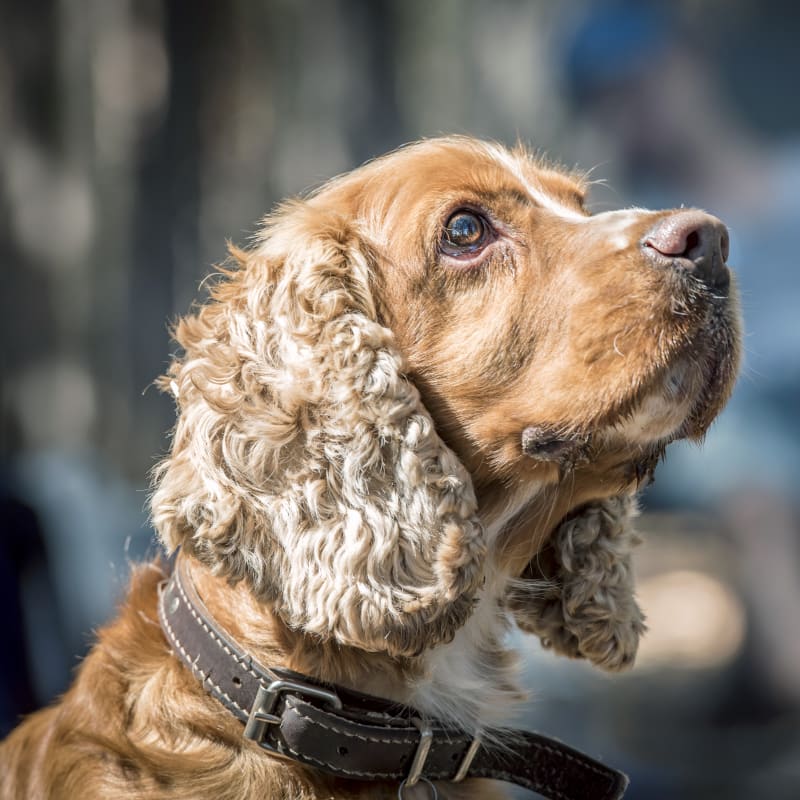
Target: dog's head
point(444, 323)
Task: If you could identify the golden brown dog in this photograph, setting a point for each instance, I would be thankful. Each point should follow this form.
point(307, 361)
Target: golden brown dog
point(421, 404)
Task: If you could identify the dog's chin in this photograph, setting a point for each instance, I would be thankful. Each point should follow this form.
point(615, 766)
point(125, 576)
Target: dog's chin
point(677, 401)
point(680, 403)
point(719, 371)
point(712, 360)
point(683, 399)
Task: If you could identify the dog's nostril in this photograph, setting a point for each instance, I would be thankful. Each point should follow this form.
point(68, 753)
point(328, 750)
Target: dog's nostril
point(691, 240)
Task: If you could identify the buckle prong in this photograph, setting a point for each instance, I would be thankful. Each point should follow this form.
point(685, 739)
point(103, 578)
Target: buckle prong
point(262, 712)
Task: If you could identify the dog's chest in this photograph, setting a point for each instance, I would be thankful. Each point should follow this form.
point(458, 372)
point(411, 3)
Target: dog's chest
point(471, 682)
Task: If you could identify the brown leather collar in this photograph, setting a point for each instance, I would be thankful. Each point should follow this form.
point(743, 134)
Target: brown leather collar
point(353, 735)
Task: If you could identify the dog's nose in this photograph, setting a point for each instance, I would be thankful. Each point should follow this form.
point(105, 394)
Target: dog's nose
point(694, 241)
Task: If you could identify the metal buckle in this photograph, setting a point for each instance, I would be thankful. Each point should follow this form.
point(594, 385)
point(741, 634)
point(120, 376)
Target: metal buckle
point(466, 762)
point(267, 698)
point(421, 754)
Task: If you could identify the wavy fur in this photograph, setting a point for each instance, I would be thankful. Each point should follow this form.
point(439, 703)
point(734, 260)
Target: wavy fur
point(586, 607)
point(304, 461)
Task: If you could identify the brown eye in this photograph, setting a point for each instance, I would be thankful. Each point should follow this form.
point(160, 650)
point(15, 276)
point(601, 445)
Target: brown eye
point(465, 232)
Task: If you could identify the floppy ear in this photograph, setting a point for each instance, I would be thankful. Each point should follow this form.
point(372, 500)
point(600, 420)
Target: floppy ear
point(578, 594)
point(303, 461)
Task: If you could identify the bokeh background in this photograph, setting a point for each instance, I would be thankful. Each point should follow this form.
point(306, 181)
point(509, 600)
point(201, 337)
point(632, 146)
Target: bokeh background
point(135, 137)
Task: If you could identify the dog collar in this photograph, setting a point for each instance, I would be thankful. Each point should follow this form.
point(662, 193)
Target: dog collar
point(357, 736)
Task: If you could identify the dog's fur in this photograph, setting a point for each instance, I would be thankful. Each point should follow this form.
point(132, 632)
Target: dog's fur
point(385, 450)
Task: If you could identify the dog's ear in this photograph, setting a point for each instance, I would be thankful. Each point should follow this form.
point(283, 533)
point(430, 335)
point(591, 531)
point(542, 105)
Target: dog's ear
point(303, 461)
point(578, 594)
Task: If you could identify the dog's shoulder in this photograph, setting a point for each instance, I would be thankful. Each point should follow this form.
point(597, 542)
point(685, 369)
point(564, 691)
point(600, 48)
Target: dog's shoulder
point(67, 750)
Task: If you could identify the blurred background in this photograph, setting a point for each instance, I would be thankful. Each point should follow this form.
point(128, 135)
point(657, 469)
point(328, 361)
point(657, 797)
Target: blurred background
point(135, 137)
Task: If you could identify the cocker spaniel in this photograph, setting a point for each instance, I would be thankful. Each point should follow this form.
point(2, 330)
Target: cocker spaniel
point(419, 407)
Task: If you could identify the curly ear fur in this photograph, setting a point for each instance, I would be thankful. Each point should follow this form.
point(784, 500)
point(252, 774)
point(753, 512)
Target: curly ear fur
point(304, 462)
point(586, 607)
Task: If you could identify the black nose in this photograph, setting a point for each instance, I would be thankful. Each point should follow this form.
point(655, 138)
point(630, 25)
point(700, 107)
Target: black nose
point(694, 241)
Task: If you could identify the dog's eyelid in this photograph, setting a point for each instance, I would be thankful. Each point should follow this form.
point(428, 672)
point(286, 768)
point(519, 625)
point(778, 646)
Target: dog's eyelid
point(465, 262)
point(466, 207)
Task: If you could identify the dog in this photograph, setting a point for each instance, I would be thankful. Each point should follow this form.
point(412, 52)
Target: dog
point(419, 407)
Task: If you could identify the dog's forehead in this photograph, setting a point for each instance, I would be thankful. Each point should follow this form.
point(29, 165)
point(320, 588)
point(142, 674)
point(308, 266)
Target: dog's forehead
point(413, 188)
point(445, 168)
point(545, 185)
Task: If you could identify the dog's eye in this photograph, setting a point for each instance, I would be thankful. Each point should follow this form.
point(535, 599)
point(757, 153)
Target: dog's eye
point(464, 232)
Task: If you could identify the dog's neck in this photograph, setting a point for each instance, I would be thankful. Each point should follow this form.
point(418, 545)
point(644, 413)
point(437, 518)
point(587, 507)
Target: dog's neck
point(470, 682)
point(264, 636)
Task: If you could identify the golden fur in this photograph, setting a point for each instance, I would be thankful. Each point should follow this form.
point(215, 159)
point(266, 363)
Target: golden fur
point(349, 476)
